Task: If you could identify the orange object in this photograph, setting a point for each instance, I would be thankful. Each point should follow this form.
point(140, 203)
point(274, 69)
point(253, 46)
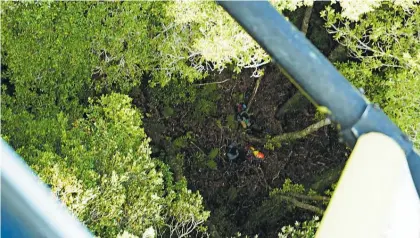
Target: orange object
point(255, 152)
point(259, 155)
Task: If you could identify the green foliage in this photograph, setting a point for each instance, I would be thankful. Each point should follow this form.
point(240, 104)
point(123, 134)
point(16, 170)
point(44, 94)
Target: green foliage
point(231, 122)
point(103, 172)
point(288, 187)
point(271, 143)
point(187, 210)
point(306, 229)
point(283, 203)
point(183, 141)
point(110, 46)
point(60, 53)
point(388, 54)
point(200, 160)
point(211, 164)
point(217, 41)
point(219, 124)
point(174, 153)
point(54, 51)
point(354, 10)
point(116, 173)
point(213, 153)
point(329, 192)
point(220, 223)
point(290, 5)
point(174, 94)
point(95, 154)
point(211, 156)
point(176, 162)
point(168, 111)
point(205, 108)
point(126, 234)
point(199, 102)
point(34, 58)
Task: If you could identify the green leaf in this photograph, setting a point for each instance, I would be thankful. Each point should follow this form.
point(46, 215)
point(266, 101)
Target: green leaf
point(213, 153)
point(211, 164)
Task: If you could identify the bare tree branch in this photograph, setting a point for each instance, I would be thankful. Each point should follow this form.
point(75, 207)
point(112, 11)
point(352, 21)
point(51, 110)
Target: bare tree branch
point(305, 21)
point(257, 85)
point(220, 82)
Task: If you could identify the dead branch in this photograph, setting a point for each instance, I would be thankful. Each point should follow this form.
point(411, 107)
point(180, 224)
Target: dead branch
point(197, 147)
point(220, 82)
point(257, 85)
point(266, 185)
point(305, 21)
point(278, 173)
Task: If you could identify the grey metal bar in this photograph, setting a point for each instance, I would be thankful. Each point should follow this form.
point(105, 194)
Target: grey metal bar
point(28, 206)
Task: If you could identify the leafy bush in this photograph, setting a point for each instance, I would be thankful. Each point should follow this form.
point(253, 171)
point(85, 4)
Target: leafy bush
point(102, 170)
point(388, 54)
point(58, 53)
point(306, 229)
point(200, 102)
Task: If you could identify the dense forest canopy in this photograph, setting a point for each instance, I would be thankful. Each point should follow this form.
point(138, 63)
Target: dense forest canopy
point(127, 109)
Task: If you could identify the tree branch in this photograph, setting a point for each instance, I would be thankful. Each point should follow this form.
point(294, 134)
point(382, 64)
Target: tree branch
point(277, 140)
point(256, 65)
point(305, 21)
point(220, 82)
point(302, 205)
point(311, 197)
point(303, 133)
point(197, 147)
point(257, 85)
